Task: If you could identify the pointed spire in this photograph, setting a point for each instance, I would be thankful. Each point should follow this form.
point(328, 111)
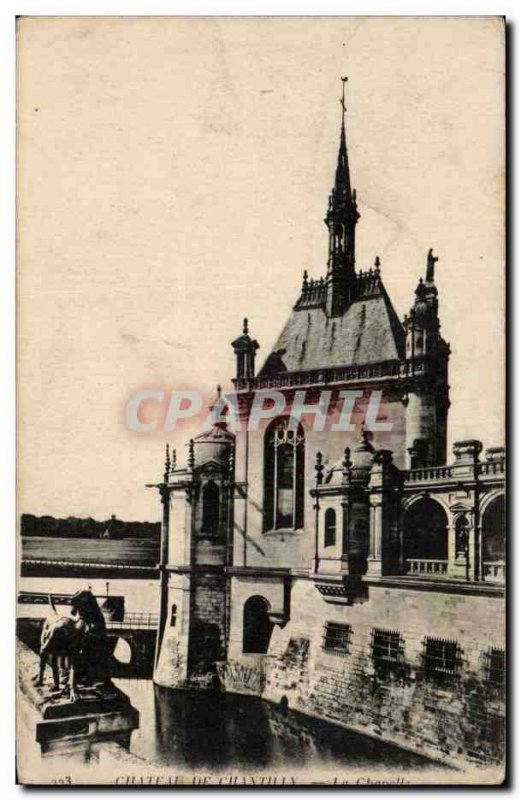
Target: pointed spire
point(341, 219)
point(342, 177)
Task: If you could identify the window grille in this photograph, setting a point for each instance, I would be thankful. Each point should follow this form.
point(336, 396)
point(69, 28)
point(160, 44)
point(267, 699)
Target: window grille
point(386, 650)
point(495, 667)
point(337, 638)
point(441, 659)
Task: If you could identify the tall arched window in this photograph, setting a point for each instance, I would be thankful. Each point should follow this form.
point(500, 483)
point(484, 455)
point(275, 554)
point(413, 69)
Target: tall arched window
point(257, 627)
point(493, 527)
point(283, 476)
point(425, 532)
point(330, 527)
point(211, 505)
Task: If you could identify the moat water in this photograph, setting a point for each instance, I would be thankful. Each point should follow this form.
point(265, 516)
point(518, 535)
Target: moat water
point(214, 731)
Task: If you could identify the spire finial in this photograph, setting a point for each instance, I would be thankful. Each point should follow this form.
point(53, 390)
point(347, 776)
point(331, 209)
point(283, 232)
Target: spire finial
point(219, 389)
point(174, 461)
point(343, 100)
point(245, 326)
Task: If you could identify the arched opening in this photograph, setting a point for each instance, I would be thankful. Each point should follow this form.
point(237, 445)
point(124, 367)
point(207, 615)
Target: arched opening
point(211, 508)
point(283, 476)
point(425, 540)
point(122, 651)
point(330, 527)
point(493, 539)
point(257, 627)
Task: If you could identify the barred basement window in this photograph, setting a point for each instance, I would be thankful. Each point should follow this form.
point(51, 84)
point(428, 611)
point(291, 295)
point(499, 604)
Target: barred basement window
point(441, 658)
point(337, 638)
point(386, 650)
point(495, 666)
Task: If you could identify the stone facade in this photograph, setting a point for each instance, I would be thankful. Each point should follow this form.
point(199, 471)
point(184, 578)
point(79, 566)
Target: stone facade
point(353, 575)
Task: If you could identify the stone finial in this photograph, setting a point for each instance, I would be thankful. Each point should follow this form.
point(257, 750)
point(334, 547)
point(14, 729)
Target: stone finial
point(467, 450)
point(174, 461)
point(231, 462)
point(191, 455)
point(305, 281)
point(245, 326)
point(377, 262)
point(167, 463)
point(319, 469)
point(495, 454)
point(383, 457)
point(346, 465)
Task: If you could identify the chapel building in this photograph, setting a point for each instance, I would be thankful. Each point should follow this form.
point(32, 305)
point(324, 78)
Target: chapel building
point(355, 575)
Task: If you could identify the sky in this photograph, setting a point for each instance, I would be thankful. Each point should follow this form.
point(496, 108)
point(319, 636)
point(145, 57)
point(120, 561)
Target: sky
point(173, 176)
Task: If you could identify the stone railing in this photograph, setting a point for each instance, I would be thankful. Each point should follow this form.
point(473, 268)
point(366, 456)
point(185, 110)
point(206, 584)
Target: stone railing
point(313, 293)
point(491, 468)
point(426, 566)
point(356, 372)
point(427, 474)
point(494, 571)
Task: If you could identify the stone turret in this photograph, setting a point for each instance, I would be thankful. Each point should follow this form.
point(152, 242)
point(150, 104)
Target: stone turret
point(427, 355)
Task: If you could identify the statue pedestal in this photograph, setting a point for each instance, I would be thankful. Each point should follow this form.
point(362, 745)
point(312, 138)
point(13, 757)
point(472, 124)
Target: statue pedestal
point(100, 714)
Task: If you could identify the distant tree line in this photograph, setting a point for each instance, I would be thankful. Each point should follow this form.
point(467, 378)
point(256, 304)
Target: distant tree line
point(76, 528)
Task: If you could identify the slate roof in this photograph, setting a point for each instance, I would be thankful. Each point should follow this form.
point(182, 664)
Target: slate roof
point(369, 331)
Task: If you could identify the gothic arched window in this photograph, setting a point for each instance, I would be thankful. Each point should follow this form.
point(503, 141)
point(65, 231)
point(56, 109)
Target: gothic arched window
point(283, 476)
point(330, 527)
point(211, 505)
